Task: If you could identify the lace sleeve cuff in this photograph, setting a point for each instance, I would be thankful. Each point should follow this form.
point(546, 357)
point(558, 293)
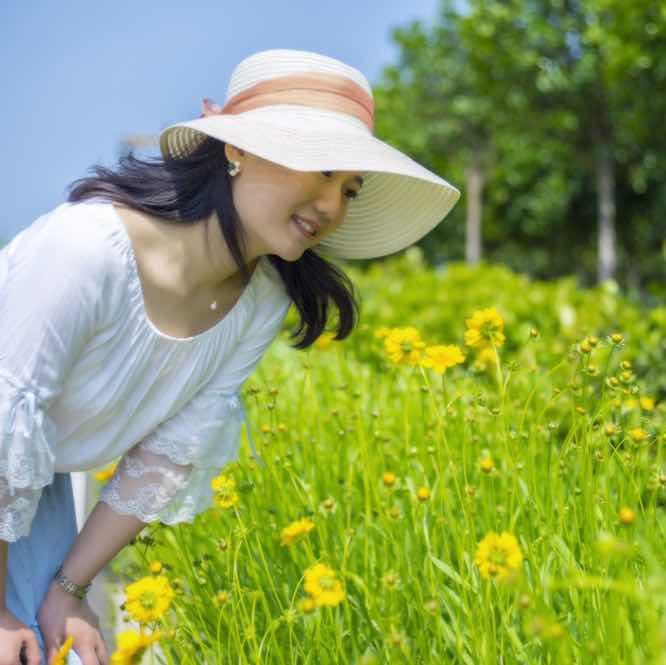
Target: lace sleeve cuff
point(167, 475)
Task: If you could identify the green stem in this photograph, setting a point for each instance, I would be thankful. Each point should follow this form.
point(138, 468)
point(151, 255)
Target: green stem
point(500, 379)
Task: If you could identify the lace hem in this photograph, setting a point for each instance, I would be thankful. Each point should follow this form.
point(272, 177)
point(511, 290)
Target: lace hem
point(152, 503)
point(17, 515)
point(152, 486)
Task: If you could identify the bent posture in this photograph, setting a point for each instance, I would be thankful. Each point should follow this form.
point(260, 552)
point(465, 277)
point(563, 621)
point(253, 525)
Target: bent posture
point(132, 314)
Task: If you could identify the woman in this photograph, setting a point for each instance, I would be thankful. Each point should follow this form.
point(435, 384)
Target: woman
point(133, 313)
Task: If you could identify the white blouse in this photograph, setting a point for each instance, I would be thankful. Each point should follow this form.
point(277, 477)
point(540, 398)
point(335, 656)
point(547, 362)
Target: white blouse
point(86, 377)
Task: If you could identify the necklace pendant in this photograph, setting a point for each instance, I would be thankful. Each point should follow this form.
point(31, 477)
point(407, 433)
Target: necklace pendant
point(213, 305)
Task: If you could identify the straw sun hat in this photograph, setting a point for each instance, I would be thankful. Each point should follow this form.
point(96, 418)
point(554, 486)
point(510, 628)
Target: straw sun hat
point(311, 112)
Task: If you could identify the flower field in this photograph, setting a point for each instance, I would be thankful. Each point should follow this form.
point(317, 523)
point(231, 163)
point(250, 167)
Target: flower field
point(476, 475)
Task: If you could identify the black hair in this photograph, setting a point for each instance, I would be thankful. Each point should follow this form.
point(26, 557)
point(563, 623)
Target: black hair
point(186, 190)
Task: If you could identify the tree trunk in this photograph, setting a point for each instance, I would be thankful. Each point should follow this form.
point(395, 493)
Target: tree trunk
point(607, 244)
point(475, 182)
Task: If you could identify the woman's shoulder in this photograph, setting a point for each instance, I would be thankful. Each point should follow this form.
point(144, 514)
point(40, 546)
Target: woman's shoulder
point(84, 239)
point(93, 233)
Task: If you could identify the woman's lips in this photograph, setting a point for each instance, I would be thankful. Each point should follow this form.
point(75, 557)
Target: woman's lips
point(305, 226)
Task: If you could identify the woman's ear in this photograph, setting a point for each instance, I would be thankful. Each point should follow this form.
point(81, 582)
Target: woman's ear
point(232, 152)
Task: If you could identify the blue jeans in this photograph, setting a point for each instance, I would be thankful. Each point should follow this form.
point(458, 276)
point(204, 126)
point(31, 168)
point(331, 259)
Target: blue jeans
point(34, 559)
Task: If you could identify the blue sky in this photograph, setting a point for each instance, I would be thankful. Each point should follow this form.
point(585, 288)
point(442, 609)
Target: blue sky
point(78, 76)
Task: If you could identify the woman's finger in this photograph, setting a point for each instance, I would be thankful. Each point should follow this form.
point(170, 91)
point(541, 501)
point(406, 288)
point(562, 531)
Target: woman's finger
point(88, 656)
point(31, 654)
point(51, 651)
point(102, 652)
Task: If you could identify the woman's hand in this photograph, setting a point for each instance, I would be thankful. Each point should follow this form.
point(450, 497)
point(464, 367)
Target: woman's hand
point(18, 643)
point(60, 615)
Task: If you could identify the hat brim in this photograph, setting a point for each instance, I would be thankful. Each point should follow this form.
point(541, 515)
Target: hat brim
point(399, 203)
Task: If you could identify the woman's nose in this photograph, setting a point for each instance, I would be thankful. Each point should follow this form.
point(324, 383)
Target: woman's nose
point(330, 203)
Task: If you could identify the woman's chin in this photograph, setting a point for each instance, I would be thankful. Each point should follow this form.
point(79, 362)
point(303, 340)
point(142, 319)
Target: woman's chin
point(290, 253)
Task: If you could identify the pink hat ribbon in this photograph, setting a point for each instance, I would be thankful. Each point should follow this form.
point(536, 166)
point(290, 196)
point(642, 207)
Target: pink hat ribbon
point(327, 91)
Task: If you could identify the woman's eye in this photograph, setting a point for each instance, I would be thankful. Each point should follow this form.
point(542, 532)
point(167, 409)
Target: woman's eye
point(350, 193)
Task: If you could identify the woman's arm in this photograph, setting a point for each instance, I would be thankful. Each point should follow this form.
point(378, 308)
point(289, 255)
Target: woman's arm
point(103, 535)
point(61, 614)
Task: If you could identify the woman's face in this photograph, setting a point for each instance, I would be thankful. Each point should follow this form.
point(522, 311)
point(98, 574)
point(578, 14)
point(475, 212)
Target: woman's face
point(267, 196)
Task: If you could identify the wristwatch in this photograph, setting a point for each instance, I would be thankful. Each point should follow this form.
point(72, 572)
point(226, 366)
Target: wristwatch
point(71, 587)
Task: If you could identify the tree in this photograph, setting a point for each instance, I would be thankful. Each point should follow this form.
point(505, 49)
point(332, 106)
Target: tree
point(547, 107)
point(428, 106)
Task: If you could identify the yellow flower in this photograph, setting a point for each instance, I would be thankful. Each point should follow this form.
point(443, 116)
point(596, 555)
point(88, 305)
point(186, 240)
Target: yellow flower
point(485, 328)
point(442, 356)
point(647, 403)
point(486, 465)
point(295, 530)
point(323, 586)
point(498, 556)
point(382, 332)
point(225, 491)
point(106, 473)
point(61, 656)
point(222, 597)
point(149, 598)
point(626, 515)
point(631, 403)
point(388, 478)
point(131, 646)
point(486, 358)
point(638, 434)
point(324, 340)
point(307, 605)
point(155, 567)
point(423, 494)
point(404, 346)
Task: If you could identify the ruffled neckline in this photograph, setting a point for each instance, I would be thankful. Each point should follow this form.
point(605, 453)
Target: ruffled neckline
point(137, 289)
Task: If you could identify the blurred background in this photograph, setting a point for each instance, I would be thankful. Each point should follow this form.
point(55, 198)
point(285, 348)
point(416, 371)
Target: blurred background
point(548, 115)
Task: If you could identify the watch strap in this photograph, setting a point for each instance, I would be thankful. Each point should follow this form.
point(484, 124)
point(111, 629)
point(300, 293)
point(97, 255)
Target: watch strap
point(71, 587)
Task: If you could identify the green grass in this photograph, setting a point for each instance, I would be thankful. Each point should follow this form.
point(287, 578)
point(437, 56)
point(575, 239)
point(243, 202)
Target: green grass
point(330, 422)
